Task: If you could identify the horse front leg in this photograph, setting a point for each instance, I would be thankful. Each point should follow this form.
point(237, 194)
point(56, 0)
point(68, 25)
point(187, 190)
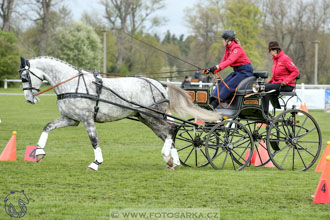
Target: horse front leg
point(170, 154)
point(58, 123)
point(91, 130)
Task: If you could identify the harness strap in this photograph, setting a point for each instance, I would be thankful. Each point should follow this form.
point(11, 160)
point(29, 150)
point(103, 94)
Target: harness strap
point(58, 84)
point(231, 101)
point(99, 86)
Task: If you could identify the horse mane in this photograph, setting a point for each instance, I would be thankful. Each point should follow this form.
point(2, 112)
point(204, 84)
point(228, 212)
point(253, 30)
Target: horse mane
point(59, 60)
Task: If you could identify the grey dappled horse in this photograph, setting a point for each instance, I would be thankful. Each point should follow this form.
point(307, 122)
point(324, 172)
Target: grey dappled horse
point(88, 98)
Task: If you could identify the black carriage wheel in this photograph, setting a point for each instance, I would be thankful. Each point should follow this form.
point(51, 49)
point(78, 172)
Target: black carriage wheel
point(190, 144)
point(258, 131)
point(296, 140)
point(233, 143)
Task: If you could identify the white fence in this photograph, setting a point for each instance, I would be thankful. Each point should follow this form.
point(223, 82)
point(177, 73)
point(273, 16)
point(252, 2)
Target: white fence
point(5, 86)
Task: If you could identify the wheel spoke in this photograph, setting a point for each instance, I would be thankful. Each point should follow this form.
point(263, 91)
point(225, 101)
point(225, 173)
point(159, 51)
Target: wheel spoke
point(188, 155)
point(240, 156)
point(203, 153)
point(306, 133)
point(307, 151)
point(184, 139)
point(302, 160)
point(224, 161)
point(285, 155)
point(232, 160)
point(301, 126)
point(310, 142)
point(184, 147)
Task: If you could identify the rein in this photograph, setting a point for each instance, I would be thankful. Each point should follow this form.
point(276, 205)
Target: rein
point(58, 84)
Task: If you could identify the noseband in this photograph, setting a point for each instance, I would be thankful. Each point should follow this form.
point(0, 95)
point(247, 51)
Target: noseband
point(27, 79)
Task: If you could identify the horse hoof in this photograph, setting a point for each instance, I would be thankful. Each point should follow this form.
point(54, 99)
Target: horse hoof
point(170, 162)
point(90, 169)
point(40, 157)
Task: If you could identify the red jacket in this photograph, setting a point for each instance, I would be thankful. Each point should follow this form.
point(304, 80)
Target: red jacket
point(283, 70)
point(234, 56)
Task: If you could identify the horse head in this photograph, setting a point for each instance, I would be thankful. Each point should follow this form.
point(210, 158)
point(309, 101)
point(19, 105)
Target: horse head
point(32, 78)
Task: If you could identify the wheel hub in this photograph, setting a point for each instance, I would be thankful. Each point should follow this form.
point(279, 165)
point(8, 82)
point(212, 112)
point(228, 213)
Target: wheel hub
point(198, 143)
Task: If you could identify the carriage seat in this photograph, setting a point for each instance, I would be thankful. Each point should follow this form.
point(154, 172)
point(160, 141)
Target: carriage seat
point(245, 86)
point(293, 93)
point(261, 74)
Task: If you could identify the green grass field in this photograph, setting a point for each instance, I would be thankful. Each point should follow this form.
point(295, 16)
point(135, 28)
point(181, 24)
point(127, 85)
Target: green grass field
point(133, 175)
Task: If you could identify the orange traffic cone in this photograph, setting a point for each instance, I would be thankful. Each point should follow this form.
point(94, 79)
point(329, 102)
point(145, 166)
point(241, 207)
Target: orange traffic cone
point(263, 156)
point(261, 125)
point(322, 194)
point(199, 122)
point(9, 153)
point(303, 107)
point(321, 165)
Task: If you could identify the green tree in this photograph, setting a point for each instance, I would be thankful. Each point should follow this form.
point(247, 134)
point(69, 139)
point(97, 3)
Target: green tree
point(244, 17)
point(147, 60)
point(205, 21)
point(94, 20)
point(9, 55)
point(79, 45)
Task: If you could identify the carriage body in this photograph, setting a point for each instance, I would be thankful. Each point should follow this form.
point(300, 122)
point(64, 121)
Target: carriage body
point(290, 138)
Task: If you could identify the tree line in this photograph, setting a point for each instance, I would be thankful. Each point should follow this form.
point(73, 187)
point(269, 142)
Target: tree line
point(46, 28)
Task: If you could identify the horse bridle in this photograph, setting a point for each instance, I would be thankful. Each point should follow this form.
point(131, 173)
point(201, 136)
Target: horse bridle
point(27, 79)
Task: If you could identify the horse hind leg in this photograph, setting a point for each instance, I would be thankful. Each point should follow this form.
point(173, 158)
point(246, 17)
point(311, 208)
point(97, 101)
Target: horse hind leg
point(165, 131)
point(58, 123)
point(91, 130)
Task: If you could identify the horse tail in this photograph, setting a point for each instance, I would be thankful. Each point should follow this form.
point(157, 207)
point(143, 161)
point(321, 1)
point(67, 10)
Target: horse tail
point(180, 102)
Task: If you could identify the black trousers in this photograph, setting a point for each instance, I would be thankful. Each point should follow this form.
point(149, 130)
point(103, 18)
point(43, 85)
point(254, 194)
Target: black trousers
point(278, 88)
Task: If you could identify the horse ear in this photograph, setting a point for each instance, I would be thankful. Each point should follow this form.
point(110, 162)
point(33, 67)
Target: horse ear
point(22, 63)
point(27, 63)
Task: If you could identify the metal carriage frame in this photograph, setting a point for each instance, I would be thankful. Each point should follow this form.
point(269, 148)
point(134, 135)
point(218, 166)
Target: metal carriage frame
point(290, 139)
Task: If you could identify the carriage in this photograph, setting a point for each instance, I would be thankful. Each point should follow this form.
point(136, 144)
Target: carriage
point(289, 138)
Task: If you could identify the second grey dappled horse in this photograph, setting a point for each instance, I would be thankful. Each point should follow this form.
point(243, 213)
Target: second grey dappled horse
point(87, 99)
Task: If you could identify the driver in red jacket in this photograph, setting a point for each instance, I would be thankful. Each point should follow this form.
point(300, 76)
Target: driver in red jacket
point(235, 57)
point(284, 73)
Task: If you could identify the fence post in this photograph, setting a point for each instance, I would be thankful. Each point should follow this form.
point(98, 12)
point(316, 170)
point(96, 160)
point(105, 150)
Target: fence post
point(5, 86)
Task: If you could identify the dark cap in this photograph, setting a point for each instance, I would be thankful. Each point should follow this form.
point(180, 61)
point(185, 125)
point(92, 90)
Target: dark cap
point(274, 45)
point(228, 34)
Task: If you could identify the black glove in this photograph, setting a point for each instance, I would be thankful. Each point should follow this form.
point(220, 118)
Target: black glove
point(212, 69)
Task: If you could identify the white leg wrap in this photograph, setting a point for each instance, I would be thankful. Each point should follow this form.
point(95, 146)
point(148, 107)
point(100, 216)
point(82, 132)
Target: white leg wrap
point(98, 155)
point(93, 166)
point(40, 151)
point(42, 140)
point(166, 151)
point(175, 156)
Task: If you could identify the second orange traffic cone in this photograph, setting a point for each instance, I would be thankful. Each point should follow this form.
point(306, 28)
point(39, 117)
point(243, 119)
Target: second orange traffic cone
point(322, 194)
point(321, 165)
point(9, 153)
point(262, 156)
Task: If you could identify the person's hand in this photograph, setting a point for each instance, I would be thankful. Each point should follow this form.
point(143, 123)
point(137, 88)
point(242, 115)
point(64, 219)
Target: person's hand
point(212, 69)
point(284, 83)
point(217, 70)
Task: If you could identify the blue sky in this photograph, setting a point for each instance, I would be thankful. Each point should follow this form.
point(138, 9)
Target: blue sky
point(173, 12)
